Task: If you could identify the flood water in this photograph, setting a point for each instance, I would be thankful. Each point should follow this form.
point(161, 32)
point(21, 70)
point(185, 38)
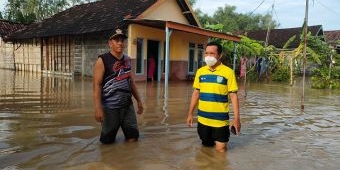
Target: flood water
point(48, 122)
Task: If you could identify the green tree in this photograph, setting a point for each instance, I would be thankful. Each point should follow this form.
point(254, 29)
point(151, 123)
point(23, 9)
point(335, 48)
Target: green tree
point(226, 16)
point(28, 11)
point(233, 21)
point(192, 2)
point(202, 17)
point(245, 48)
point(321, 58)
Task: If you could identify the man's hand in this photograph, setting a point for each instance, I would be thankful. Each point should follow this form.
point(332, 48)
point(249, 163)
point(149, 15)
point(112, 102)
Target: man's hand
point(99, 115)
point(237, 125)
point(189, 120)
point(140, 108)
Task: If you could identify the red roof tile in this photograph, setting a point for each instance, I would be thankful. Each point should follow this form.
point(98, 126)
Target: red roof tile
point(332, 36)
point(86, 18)
point(8, 27)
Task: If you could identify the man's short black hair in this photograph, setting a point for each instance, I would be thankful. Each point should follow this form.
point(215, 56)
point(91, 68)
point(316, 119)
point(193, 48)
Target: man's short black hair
point(217, 44)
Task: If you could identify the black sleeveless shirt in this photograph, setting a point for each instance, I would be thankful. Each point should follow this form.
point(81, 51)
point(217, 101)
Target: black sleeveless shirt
point(116, 85)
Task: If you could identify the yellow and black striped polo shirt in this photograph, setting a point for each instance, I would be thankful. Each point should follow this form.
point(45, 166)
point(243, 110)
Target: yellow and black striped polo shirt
point(214, 86)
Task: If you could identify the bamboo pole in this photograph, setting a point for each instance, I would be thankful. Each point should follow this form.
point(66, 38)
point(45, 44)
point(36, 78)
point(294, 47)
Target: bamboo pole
point(291, 69)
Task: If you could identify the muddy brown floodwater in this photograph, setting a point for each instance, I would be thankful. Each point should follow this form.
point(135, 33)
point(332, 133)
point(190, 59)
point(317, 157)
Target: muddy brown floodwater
point(48, 122)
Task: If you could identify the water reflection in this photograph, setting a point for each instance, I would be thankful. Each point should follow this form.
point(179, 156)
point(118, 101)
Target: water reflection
point(48, 121)
point(37, 111)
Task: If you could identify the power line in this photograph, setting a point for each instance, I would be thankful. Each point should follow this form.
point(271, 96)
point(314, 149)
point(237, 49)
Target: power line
point(273, 12)
point(257, 7)
point(270, 8)
point(276, 16)
point(328, 7)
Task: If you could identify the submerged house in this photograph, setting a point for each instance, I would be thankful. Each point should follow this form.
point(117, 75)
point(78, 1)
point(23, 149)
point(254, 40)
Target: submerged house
point(278, 38)
point(7, 59)
point(333, 39)
point(69, 42)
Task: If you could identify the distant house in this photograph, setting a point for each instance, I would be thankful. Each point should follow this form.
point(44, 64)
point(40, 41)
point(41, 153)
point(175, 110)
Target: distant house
point(6, 48)
point(69, 42)
point(333, 39)
point(279, 37)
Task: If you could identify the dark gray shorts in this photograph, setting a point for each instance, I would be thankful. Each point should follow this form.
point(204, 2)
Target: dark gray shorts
point(114, 118)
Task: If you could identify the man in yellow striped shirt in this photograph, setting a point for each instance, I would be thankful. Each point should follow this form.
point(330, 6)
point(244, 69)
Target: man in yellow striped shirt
point(212, 85)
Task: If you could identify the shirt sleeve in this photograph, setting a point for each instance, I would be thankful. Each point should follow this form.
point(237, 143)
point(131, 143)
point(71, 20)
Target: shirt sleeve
point(196, 84)
point(232, 83)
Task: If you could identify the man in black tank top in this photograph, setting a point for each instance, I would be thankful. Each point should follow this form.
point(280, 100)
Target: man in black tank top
point(113, 87)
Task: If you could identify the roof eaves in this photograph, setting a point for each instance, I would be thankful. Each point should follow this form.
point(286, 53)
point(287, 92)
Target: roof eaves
point(188, 12)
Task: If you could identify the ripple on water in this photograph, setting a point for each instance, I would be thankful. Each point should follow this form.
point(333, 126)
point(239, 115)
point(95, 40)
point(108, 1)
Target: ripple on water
point(48, 122)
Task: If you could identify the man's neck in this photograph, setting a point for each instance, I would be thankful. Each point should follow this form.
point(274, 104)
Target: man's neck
point(117, 55)
point(213, 68)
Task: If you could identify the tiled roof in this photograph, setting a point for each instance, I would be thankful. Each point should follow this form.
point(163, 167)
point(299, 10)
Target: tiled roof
point(332, 36)
point(8, 27)
point(278, 37)
point(187, 13)
point(86, 18)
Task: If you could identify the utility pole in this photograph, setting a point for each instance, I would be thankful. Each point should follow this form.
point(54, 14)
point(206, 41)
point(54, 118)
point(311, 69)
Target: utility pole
point(268, 27)
point(304, 56)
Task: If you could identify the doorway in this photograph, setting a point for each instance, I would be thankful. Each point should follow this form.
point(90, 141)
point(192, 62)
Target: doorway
point(152, 60)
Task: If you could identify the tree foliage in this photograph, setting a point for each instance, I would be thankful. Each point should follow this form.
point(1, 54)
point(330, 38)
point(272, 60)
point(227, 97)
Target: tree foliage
point(249, 48)
point(233, 21)
point(192, 2)
point(317, 50)
point(326, 73)
point(29, 11)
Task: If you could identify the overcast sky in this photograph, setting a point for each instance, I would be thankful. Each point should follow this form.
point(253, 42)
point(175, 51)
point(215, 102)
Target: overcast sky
point(289, 13)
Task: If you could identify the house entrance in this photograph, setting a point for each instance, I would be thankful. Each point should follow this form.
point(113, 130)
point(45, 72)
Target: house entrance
point(152, 60)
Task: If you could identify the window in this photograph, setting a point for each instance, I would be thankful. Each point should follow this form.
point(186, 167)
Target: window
point(200, 56)
point(191, 63)
point(139, 57)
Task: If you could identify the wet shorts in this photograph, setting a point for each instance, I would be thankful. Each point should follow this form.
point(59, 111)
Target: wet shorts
point(209, 135)
point(114, 118)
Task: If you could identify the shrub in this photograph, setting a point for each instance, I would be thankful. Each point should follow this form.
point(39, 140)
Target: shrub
point(325, 83)
point(281, 74)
